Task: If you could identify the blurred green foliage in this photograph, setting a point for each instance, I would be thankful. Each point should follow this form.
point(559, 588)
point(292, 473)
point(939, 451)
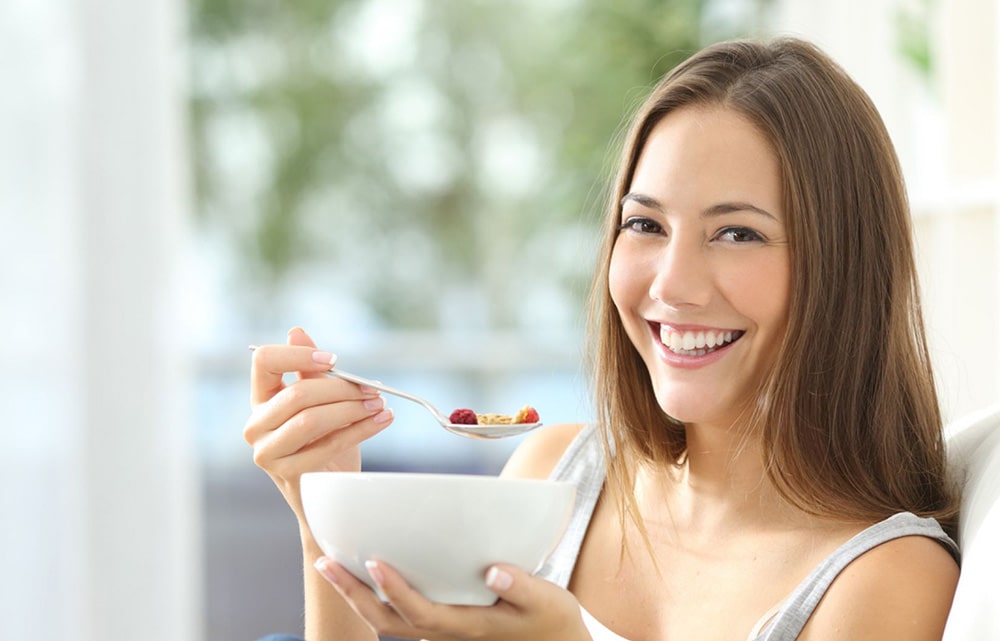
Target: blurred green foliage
point(913, 36)
point(422, 157)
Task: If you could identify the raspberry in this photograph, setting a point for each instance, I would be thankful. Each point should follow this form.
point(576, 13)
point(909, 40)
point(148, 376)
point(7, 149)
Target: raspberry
point(463, 416)
point(528, 414)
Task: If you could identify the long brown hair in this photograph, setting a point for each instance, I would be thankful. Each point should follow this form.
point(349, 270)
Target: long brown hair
point(848, 418)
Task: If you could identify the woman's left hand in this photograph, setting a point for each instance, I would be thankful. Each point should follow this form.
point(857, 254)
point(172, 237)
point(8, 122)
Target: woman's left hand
point(529, 607)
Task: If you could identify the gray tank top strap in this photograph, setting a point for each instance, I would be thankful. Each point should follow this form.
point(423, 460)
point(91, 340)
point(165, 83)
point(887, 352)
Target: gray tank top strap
point(583, 464)
point(799, 606)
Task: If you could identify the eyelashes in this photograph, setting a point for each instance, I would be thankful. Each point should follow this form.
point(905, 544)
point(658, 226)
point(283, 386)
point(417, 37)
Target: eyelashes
point(736, 234)
point(640, 225)
point(740, 235)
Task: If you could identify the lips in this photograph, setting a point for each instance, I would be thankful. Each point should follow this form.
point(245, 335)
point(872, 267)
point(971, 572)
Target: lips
point(697, 342)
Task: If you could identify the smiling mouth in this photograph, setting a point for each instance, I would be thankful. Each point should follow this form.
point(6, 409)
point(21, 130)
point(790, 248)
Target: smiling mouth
point(697, 343)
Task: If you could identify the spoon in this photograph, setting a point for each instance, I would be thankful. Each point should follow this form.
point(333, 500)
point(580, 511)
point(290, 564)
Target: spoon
point(479, 431)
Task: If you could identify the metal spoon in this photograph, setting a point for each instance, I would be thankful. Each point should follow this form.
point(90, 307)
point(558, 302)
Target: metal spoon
point(469, 431)
point(462, 429)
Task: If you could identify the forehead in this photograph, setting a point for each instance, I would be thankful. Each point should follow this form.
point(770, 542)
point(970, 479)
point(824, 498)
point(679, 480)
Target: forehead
point(696, 156)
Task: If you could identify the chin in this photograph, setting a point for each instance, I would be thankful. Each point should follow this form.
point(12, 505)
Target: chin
point(681, 410)
point(689, 408)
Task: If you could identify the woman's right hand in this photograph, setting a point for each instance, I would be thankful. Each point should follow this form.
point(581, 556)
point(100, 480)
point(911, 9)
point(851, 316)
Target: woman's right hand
point(314, 424)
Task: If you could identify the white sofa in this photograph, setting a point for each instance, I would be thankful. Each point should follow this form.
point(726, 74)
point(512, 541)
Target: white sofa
point(974, 452)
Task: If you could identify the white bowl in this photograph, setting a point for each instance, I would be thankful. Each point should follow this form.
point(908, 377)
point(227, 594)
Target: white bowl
point(440, 531)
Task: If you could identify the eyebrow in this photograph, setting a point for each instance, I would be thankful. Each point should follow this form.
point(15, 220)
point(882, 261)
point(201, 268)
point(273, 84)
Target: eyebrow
point(714, 210)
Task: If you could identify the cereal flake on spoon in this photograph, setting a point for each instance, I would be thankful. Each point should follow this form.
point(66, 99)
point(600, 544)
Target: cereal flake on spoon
point(464, 416)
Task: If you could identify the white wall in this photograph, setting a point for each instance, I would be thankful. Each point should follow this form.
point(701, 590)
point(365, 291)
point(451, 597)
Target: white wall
point(947, 137)
point(99, 537)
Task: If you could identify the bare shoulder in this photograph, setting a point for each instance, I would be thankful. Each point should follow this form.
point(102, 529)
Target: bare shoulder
point(901, 589)
point(539, 452)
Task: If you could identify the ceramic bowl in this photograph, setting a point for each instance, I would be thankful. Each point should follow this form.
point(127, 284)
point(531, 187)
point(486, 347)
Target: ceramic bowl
point(440, 531)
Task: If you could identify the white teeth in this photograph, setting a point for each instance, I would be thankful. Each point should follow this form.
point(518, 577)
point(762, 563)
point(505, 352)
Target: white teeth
point(695, 343)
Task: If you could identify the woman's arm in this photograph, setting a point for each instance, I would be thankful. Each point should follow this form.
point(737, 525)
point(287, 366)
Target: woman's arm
point(315, 423)
point(328, 617)
point(899, 591)
point(537, 455)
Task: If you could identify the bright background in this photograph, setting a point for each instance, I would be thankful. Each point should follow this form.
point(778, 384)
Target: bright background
point(416, 183)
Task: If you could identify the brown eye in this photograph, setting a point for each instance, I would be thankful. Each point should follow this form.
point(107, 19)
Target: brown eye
point(641, 225)
point(739, 235)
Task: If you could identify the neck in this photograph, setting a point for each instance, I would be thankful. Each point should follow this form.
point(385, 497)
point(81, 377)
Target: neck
point(722, 466)
point(722, 485)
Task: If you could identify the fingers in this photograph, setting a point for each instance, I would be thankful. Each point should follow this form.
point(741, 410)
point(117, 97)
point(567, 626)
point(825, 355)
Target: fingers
point(345, 403)
point(416, 610)
point(536, 609)
point(316, 443)
point(385, 620)
point(272, 362)
point(313, 424)
point(318, 417)
point(501, 580)
point(514, 585)
point(526, 593)
point(298, 337)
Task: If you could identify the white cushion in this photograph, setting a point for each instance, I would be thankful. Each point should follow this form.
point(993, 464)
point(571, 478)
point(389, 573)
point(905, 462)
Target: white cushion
point(974, 453)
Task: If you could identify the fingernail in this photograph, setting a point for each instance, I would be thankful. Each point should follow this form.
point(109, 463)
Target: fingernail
point(368, 389)
point(499, 580)
point(326, 358)
point(375, 572)
point(383, 417)
point(322, 565)
point(374, 403)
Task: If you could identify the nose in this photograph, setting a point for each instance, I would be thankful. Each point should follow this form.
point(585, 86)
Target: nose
point(683, 274)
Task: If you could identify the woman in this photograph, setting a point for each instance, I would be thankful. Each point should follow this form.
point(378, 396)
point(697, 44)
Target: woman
point(768, 460)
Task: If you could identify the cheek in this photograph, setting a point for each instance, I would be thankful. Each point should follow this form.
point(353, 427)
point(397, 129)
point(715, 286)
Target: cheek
point(763, 292)
point(780, 295)
point(623, 283)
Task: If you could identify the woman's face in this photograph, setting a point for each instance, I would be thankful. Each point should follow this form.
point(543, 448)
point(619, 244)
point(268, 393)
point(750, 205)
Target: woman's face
point(700, 271)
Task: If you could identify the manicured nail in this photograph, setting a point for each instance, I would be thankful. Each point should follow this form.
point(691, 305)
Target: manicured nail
point(325, 358)
point(375, 572)
point(499, 580)
point(376, 403)
point(322, 565)
point(383, 417)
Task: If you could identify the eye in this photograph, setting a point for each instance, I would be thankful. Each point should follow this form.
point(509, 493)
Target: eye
point(739, 235)
point(641, 225)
